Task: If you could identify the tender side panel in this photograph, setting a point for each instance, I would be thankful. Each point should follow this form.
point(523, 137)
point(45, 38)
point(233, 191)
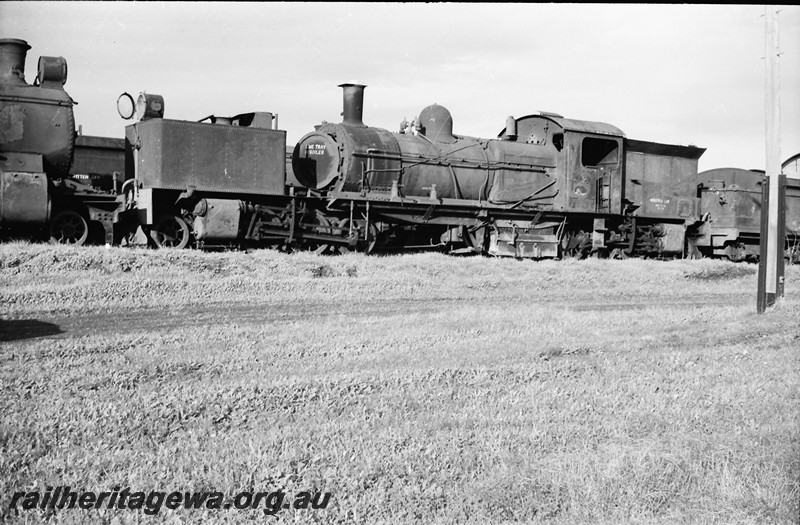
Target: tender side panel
point(660, 179)
point(207, 157)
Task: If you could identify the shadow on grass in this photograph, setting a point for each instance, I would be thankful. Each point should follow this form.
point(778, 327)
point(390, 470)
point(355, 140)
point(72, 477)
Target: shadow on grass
point(17, 329)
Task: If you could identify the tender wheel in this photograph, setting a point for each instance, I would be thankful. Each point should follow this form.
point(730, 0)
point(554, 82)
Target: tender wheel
point(69, 227)
point(170, 231)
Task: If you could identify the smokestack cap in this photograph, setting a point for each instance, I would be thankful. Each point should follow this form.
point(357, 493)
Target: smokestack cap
point(17, 41)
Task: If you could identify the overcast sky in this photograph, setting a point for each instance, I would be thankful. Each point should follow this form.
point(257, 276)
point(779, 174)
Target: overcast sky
point(681, 74)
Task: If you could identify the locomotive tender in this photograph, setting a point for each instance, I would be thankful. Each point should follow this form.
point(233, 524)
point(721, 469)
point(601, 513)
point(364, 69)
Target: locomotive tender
point(731, 202)
point(218, 182)
point(195, 176)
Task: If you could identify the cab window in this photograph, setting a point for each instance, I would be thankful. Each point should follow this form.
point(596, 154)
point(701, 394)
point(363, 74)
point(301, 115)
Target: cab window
point(599, 152)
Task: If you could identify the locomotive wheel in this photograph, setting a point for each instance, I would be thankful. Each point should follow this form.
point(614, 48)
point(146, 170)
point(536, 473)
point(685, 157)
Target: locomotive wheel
point(344, 224)
point(170, 231)
point(269, 218)
point(69, 227)
point(373, 236)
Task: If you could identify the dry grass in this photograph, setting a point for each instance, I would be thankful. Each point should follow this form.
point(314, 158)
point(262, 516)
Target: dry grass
point(417, 388)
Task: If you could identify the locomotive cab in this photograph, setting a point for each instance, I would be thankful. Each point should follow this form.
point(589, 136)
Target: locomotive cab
point(585, 158)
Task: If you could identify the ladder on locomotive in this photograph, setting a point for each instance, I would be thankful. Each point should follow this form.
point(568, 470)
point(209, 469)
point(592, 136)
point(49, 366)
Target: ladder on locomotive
point(603, 194)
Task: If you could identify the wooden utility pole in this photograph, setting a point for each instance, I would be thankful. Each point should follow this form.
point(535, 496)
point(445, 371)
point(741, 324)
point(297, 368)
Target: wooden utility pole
point(770, 268)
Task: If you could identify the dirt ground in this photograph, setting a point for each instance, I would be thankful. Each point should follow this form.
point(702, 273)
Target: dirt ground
point(166, 319)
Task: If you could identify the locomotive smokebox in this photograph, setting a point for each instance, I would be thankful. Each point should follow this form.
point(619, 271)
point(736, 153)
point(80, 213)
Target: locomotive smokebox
point(353, 104)
point(12, 60)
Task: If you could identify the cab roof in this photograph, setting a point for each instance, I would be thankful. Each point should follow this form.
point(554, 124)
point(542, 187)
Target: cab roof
point(582, 126)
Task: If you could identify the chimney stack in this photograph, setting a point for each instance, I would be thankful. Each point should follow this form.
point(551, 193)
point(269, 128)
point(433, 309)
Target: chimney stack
point(353, 104)
point(12, 60)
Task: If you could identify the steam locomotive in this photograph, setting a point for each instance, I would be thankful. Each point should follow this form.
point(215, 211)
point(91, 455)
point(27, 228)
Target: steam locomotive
point(40, 193)
point(548, 186)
